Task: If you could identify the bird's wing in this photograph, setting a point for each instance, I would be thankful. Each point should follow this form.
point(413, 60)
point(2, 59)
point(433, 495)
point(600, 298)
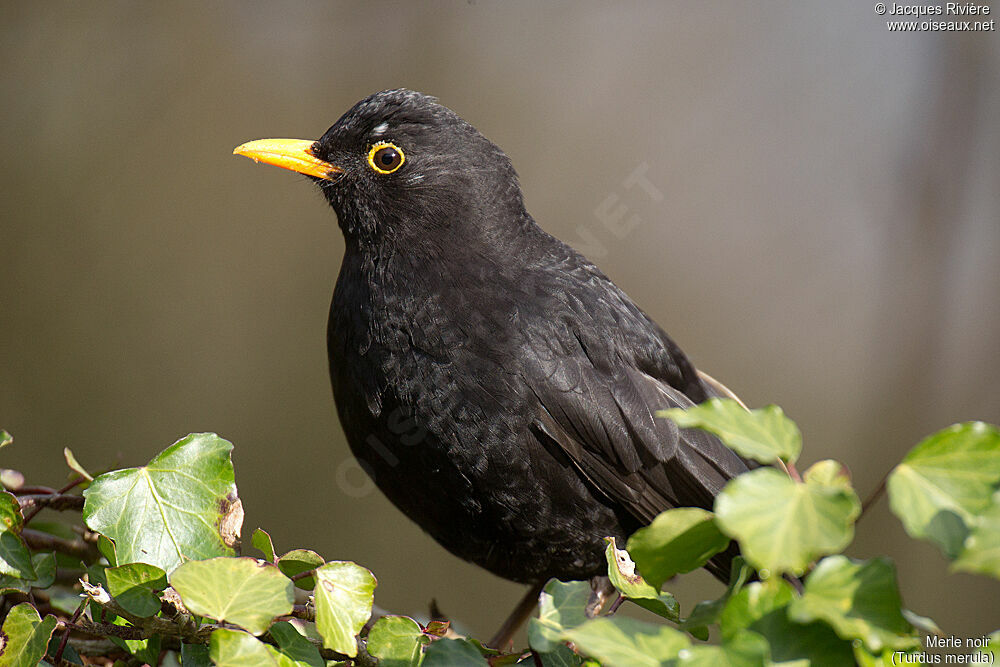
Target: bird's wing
point(598, 410)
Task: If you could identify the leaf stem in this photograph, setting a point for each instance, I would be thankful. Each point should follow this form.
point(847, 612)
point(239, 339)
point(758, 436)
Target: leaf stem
point(875, 494)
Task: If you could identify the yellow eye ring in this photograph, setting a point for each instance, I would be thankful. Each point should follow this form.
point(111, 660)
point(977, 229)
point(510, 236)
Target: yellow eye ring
point(386, 157)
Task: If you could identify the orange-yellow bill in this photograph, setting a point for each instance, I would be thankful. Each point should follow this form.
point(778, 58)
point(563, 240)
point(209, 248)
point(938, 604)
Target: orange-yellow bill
point(294, 154)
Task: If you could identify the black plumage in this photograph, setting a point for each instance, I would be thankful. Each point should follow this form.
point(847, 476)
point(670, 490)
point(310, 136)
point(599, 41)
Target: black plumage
point(497, 386)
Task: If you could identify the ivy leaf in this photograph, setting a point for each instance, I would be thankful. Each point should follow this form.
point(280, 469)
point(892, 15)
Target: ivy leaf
point(453, 653)
point(25, 636)
point(262, 542)
point(182, 506)
point(344, 595)
point(135, 587)
point(562, 656)
point(828, 473)
point(396, 641)
point(232, 648)
point(146, 651)
point(763, 608)
point(621, 571)
point(244, 591)
point(783, 525)
point(623, 642)
point(15, 559)
point(195, 655)
point(945, 481)
point(75, 466)
point(45, 575)
point(745, 649)
point(677, 541)
point(294, 650)
point(707, 612)
point(561, 607)
point(11, 479)
point(981, 552)
point(859, 600)
point(297, 561)
point(764, 435)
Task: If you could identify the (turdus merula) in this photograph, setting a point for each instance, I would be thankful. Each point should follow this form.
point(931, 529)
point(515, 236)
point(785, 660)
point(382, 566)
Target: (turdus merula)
point(496, 385)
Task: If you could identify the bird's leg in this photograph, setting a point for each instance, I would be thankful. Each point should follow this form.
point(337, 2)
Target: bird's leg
point(521, 612)
point(601, 590)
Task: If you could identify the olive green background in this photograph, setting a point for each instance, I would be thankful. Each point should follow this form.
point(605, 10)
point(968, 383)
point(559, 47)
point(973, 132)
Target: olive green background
point(822, 233)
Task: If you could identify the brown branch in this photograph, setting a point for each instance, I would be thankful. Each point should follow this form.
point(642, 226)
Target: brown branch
point(57, 501)
point(182, 626)
point(65, 637)
point(32, 490)
point(303, 575)
point(89, 627)
point(40, 541)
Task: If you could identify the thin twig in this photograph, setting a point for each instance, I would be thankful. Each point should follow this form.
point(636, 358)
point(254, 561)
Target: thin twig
point(73, 483)
point(55, 500)
point(875, 495)
point(31, 490)
point(65, 637)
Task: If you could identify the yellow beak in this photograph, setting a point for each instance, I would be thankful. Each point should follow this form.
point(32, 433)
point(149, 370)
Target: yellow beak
point(294, 154)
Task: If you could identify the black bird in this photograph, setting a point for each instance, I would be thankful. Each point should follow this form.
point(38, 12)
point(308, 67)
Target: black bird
point(495, 384)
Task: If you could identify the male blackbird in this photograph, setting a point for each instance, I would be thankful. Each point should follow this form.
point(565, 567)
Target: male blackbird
point(498, 387)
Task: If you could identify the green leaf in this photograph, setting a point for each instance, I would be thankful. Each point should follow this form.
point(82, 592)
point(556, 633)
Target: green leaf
point(763, 608)
point(244, 591)
point(11, 479)
point(107, 549)
point(25, 636)
point(561, 656)
point(145, 650)
point(677, 541)
point(561, 607)
point(828, 473)
point(396, 641)
point(44, 565)
point(182, 506)
point(745, 649)
point(15, 559)
point(75, 466)
point(859, 600)
point(294, 650)
point(764, 435)
point(981, 552)
point(453, 653)
point(5, 438)
point(707, 612)
point(195, 655)
point(297, 561)
point(135, 587)
point(262, 542)
point(344, 594)
point(945, 481)
point(621, 571)
point(623, 642)
point(232, 648)
point(783, 525)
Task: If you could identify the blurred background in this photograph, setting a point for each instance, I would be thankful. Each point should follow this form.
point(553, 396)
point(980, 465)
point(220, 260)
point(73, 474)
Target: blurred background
point(827, 237)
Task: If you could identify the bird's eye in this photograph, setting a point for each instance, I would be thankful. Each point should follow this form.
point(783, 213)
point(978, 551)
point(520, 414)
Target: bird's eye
point(385, 157)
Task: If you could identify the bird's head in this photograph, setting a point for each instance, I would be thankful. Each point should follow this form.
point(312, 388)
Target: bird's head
point(400, 166)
